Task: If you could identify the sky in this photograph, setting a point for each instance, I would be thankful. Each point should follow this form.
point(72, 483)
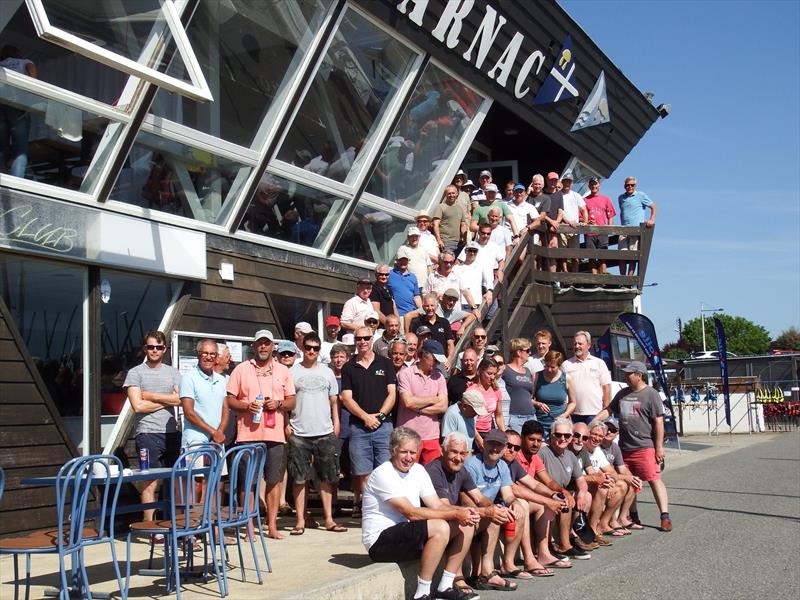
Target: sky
point(724, 167)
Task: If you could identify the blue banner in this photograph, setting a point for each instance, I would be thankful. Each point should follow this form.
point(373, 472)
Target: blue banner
point(602, 349)
point(722, 347)
point(561, 84)
point(645, 333)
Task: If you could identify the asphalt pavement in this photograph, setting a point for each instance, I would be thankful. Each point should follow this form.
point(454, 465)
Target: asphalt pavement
point(736, 534)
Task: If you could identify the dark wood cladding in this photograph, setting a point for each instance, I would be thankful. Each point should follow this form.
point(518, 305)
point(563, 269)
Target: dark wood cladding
point(32, 441)
point(544, 24)
point(587, 311)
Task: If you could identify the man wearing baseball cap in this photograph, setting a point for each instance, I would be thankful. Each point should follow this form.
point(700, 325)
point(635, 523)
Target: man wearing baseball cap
point(641, 433)
point(574, 214)
point(485, 179)
point(554, 214)
point(332, 328)
point(461, 416)
point(262, 386)
point(404, 284)
point(357, 307)
point(419, 261)
point(426, 238)
point(480, 214)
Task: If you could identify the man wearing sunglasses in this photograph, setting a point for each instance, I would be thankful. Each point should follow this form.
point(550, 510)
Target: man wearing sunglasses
point(263, 386)
point(315, 429)
point(152, 389)
point(631, 212)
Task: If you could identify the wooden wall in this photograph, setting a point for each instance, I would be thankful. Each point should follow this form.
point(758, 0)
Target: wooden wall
point(588, 311)
point(32, 441)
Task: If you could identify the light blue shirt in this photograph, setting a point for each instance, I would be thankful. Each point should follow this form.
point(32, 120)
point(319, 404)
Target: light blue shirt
point(453, 420)
point(631, 208)
point(488, 480)
point(208, 393)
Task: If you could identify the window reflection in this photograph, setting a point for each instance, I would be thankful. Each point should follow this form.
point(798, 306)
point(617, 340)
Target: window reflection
point(433, 123)
point(248, 50)
point(165, 175)
point(285, 210)
point(372, 235)
point(354, 84)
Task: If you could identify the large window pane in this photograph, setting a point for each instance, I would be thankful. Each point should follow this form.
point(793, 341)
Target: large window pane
point(423, 142)
point(285, 210)
point(289, 311)
point(165, 175)
point(248, 50)
point(372, 235)
point(51, 142)
point(46, 303)
point(354, 84)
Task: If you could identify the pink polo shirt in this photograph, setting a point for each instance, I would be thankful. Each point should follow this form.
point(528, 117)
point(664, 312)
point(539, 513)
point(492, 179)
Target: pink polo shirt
point(271, 381)
point(491, 398)
point(533, 466)
point(416, 383)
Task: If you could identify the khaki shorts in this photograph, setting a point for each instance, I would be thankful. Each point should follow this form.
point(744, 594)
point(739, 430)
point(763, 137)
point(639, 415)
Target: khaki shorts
point(628, 243)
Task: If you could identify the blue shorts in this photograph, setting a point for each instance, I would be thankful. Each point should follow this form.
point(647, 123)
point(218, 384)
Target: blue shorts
point(582, 418)
point(516, 422)
point(368, 449)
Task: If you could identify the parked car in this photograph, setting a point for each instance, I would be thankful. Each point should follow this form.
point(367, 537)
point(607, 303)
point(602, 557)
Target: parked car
point(710, 354)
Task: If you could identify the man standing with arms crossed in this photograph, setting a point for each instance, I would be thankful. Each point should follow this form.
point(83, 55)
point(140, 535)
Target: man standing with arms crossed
point(152, 389)
point(263, 377)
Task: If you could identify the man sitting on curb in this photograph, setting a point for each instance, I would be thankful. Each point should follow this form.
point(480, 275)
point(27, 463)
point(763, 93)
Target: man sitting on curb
point(396, 527)
point(627, 520)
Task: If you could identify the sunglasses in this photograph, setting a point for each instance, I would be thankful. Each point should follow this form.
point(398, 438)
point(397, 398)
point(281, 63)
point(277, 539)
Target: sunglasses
point(209, 354)
point(373, 321)
point(578, 436)
point(472, 250)
point(310, 348)
point(363, 338)
point(154, 347)
point(382, 274)
point(630, 185)
point(286, 353)
point(479, 337)
point(513, 447)
point(562, 436)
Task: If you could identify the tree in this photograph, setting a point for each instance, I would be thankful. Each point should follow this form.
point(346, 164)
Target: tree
point(789, 339)
point(675, 351)
point(743, 336)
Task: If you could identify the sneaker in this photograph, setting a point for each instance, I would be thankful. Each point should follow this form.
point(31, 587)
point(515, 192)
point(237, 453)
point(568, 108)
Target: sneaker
point(666, 524)
point(453, 593)
point(578, 554)
point(579, 543)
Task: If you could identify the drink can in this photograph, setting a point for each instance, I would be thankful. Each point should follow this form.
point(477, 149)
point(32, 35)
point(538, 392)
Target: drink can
point(510, 530)
point(182, 459)
point(257, 416)
point(144, 459)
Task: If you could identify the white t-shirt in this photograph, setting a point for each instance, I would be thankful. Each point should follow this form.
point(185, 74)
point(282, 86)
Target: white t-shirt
point(501, 236)
point(534, 365)
point(523, 213)
point(386, 483)
point(573, 202)
point(598, 459)
point(473, 277)
point(428, 241)
point(489, 255)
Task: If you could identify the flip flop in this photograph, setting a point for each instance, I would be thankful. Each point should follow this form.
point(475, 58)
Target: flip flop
point(297, 531)
point(619, 532)
point(544, 572)
point(516, 574)
point(336, 529)
point(559, 564)
point(635, 527)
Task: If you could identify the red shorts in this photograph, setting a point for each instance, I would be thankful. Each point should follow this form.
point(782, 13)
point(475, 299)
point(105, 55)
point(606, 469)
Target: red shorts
point(642, 463)
point(429, 451)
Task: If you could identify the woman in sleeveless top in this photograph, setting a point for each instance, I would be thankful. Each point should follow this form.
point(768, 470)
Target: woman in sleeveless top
point(492, 399)
point(554, 395)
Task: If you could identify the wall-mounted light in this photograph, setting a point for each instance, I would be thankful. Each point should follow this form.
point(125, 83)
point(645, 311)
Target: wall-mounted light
point(226, 271)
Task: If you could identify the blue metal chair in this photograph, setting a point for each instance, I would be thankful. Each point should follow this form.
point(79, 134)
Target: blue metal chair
point(74, 484)
point(2, 481)
point(186, 519)
point(246, 472)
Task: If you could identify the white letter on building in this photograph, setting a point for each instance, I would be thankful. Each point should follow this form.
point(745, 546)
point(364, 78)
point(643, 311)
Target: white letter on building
point(507, 59)
point(525, 70)
point(452, 16)
point(416, 14)
point(487, 34)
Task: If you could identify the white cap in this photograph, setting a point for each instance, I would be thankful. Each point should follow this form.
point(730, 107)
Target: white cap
point(348, 339)
point(263, 333)
point(303, 327)
point(491, 188)
point(371, 315)
point(414, 230)
point(403, 252)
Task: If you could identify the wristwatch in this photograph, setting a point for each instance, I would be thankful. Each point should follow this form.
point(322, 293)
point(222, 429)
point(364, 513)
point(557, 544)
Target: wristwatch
point(381, 417)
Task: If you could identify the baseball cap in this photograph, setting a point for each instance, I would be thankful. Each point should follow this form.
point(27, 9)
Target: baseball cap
point(491, 188)
point(348, 339)
point(567, 175)
point(452, 293)
point(485, 173)
point(371, 315)
point(461, 173)
point(495, 435)
point(519, 186)
point(423, 330)
point(263, 333)
point(364, 281)
point(612, 422)
point(413, 231)
point(636, 366)
point(552, 175)
point(286, 346)
point(474, 399)
point(469, 183)
point(332, 320)
point(303, 327)
point(403, 252)
point(436, 349)
point(593, 180)
point(472, 246)
point(491, 350)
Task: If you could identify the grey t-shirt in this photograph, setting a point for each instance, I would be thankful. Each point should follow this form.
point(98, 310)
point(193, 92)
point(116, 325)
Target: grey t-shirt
point(614, 455)
point(636, 412)
point(562, 469)
point(163, 379)
point(311, 415)
point(448, 484)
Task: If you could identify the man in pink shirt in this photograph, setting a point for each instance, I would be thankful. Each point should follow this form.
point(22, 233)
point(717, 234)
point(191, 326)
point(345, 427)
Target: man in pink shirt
point(423, 399)
point(262, 386)
point(600, 212)
point(591, 379)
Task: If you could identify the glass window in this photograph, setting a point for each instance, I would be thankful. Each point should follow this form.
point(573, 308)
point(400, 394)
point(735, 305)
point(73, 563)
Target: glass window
point(354, 84)
point(285, 210)
point(51, 142)
point(130, 306)
point(172, 177)
point(290, 310)
point(248, 51)
point(432, 125)
point(51, 325)
point(372, 235)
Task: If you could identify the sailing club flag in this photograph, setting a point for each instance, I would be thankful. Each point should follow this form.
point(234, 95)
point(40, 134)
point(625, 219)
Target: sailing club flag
point(645, 334)
point(595, 109)
point(561, 84)
point(602, 349)
point(723, 367)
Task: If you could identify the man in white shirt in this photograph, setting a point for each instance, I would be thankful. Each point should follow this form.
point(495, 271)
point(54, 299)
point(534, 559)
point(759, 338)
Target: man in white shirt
point(357, 307)
point(419, 261)
point(490, 255)
point(397, 527)
point(426, 238)
point(474, 276)
point(574, 213)
point(591, 379)
point(522, 211)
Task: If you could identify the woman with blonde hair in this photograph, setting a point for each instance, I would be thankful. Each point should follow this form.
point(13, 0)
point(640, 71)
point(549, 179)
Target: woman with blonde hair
point(519, 383)
point(486, 385)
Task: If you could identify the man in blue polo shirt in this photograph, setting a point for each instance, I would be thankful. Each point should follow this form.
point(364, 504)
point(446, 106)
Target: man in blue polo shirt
point(404, 285)
point(203, 399)
point(631, 212)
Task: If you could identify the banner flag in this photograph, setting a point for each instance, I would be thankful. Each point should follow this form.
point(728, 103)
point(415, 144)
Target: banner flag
point(645, 333)
point(561, 79)
point(602, 349)
point(723, 367)
point(595, 109)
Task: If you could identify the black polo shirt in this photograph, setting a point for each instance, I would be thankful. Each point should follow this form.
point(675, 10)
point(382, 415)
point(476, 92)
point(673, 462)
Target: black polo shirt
point(383, 296)
point(440, 330)
point(369, 386)
point(456, 386)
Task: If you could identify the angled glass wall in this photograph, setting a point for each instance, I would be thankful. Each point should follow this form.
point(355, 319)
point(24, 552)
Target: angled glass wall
point(372, 235)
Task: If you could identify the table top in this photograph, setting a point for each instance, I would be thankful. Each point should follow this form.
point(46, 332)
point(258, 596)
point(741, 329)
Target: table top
point(127, 476)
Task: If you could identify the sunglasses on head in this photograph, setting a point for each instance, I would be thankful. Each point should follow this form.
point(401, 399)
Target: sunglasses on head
point(154, 346)
point(513, 447)
point(562, 436)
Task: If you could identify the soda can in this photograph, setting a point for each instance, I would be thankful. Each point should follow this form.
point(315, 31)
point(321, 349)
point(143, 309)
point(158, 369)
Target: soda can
point(182, 459)
point(144, 459)
point(258, 415)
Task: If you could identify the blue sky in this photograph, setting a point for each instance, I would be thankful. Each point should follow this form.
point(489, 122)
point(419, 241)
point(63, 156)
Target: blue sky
point(724, 166)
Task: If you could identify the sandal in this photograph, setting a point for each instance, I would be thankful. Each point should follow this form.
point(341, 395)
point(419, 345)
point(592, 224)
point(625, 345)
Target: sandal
point(465, 589)
point(483, 583)
point(336, 528)
point(543, 572)
point(516, 574)
point(559, 564)
point(297, 531)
